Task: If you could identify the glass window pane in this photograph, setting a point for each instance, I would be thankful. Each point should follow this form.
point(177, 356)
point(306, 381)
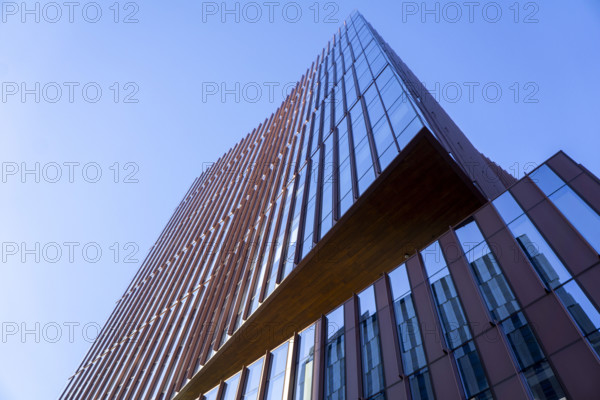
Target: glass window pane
point(420, 386)
point(278, 245)
point(409, 335)
point(231, 386)
point(372, 364)
point(253, 380)
point(399, 282)
point(277, 371)
point(212, 395)
point(583, 312)
point(450, 310)
point(522, 341)
point(543, 383)
point(384, 141)
point(309, 219)
point(542, 257)
point(304, 365)
point(546, 180)
point(471, 371)
point(374, 106)
point(350, 89)
point(433, 259)
point(335, 360)
point(327, 188)
point(573, 207)
point(579, 214)
point(498, 296)
point(290, 253)
point(507, 207)
point(364, 161)
point(345, 174)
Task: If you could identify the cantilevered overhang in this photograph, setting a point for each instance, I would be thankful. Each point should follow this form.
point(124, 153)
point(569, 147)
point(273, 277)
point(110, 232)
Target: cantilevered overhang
point(411, 203)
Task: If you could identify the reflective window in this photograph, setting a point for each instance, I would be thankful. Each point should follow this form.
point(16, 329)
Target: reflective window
point(374, 106)
point(409, 335)
point(384, 141)
point(309, 216)
point(372, 364)
point(363, 74)
point(253, 380)
point(290, 252)
point(278, 245)
point(376, 59)
point(316, 136)
point(573, 207)
point(583, 312)
point(327, 188)
point(347, 59)
point(389, 87)
point(454, 322)
point(542, 257)
point(304, 364)
point(277, 369)
point(329, 103)
point(542, 381)
point(350, 89)
point(382, 133)
point(265, 259)
point(404, 120)
point(335, 360)
point(471, 372)
point(420, 385)
point(230, 389)
point(338, 105)
point(546, 180)
point(345, 173)
point(364, 161)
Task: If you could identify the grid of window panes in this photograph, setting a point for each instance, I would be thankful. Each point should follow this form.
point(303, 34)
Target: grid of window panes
point(504, 309)
point(454, 324)
point(335, 356)
point(549, 267)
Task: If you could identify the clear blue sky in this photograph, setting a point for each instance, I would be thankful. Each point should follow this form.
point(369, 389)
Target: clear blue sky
point(172, 132)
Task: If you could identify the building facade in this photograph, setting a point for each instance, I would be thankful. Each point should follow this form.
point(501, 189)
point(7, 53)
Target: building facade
point(314, 260)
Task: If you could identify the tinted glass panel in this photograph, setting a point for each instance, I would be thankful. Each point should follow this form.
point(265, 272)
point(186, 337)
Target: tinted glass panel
point(304, 365)
point(471, 372)
point(277, 369)
point(231, 386)
point(372, 365)
point(574, 208)
point(335, 361)
point(212, 395)
point(253, 380)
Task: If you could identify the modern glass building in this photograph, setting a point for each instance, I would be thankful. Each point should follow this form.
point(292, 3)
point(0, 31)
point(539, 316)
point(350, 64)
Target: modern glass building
point(314, 260)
